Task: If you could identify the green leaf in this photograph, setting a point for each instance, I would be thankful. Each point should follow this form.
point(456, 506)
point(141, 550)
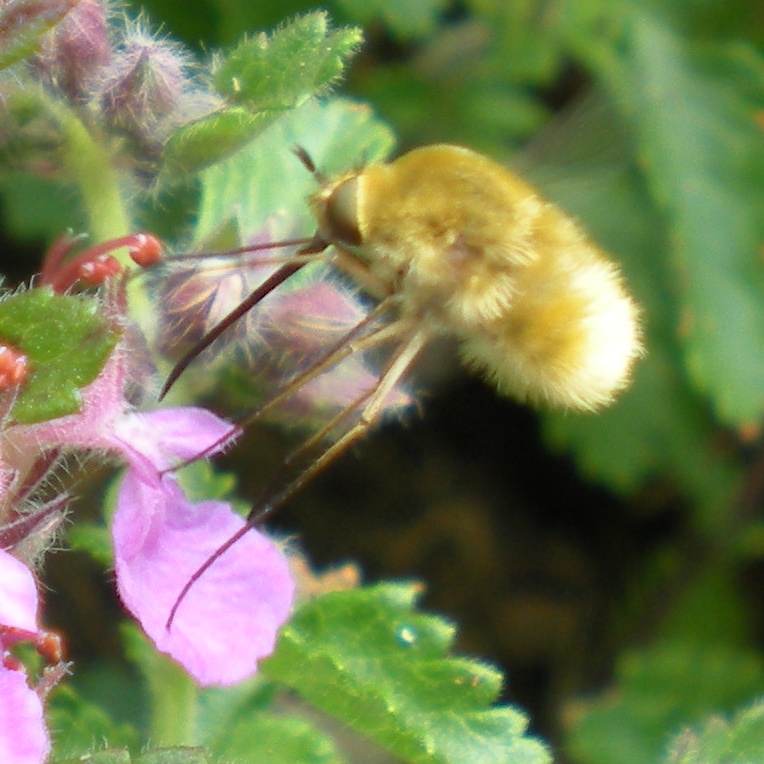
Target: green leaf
point(211, 139)
point(283, 70)
point(277, 739)
point(23, 22)
point(261, 79)
point(659, 691)
point(67, 340)
point(620, 445)
point(266, 187)
point(720, 742)
point(80, 725)
point(695, 108)
point(368, 658)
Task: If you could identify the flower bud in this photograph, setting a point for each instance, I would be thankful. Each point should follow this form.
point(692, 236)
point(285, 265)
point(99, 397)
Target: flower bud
point(14, 366)
point(74, 52)
point(143, 86)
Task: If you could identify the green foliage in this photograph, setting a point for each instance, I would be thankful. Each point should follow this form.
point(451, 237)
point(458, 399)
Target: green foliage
point(281, 71)
point(260, 80)
point(369, 659)
point(721, 742)
point(660, 691)
point(82, 726)
point(67, 341)
point(695, 109)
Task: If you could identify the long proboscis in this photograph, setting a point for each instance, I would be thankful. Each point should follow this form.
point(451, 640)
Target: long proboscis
point(305, 242)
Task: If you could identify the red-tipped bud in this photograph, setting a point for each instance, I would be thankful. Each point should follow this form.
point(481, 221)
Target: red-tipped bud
point(50, 645)
point(146, 251)
point(94, 272)
point(14, 367)
point(73, 54)
point(95, 265)
point(143, 86)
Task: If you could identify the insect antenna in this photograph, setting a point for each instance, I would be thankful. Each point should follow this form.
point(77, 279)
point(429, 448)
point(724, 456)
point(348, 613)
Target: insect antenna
point(309, 164)
point(277, 493)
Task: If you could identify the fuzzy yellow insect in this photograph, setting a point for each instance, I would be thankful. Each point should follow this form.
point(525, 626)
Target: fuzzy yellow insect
point(452, 244)
point(468, 249)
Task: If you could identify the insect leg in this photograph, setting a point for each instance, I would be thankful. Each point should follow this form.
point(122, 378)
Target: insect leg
point(375, 398)
point(346, 346)
point(404, 357)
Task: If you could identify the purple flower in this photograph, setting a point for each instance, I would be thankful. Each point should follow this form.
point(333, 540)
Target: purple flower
point(23, 735)
point(232, 614)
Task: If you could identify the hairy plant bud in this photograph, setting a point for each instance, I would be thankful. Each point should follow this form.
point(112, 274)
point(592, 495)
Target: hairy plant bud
point(73, 54)
point(144, 86)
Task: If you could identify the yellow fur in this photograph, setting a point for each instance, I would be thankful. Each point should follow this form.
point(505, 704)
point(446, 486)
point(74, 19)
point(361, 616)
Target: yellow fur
point(472, 251)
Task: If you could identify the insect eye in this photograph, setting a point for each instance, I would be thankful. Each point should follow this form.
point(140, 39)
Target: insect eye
point(342, 213)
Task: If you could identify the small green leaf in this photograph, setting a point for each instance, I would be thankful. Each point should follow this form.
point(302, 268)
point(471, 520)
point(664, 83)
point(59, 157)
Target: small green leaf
point(261, 79)
point(721, 742)
point(211, 139)
point(277, 739)
point(660, 691)
point(283, 70)
point(180, 755)
point(67, 340)
point(368, 658)
point(80, 725)
point(23, 22)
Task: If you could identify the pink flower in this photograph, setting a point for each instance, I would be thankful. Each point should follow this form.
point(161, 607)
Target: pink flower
point(23, 735)
point(232, 614)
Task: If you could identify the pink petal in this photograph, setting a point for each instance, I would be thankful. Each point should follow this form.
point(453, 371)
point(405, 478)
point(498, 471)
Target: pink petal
point(23, 736)
point(164, 436)
point(18, 594)
point(230, 618)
